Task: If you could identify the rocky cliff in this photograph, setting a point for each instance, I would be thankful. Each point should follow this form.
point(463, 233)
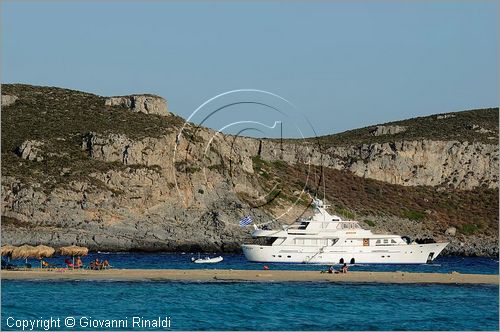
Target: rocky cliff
point(148, 104)
point(424, 162)
point(114, 174)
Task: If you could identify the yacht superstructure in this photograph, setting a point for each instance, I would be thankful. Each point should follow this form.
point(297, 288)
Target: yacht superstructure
point(327, 239)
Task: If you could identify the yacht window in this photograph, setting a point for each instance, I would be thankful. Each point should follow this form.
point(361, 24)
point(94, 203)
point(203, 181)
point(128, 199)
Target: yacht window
point(315, 242)
point(378, 242)
point(392, 241)
point(303, 225)
point(386, 241)
point(270, 240)
point(349, 225)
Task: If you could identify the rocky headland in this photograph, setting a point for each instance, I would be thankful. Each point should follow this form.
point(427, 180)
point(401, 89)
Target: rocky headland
point(118, 173)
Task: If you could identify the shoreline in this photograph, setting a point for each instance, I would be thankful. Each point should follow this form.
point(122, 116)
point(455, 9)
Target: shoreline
point(398, 277)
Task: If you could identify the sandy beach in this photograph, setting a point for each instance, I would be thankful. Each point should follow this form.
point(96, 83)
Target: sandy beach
point(248, 275)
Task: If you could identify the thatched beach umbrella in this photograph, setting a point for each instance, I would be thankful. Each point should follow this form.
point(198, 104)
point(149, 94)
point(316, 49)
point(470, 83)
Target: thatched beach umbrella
point(24, 251)
point(73, 251)
point(42, 251)
point(7, 250)
point(27, 251)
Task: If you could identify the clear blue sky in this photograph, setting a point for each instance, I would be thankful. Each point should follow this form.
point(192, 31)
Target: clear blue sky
point(343, 64)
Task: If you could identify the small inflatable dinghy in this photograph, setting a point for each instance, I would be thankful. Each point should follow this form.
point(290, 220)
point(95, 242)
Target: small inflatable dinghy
point(207, 260)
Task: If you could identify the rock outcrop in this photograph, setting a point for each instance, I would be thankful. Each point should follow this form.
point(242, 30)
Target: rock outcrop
point(387, 130)
point(148, 104)
point(456, 164)
point(30, 150)
point(445, 116)
point(415, 163)
point(472, 246)
point(451, 231)
point(8, 100)
point(138, 210)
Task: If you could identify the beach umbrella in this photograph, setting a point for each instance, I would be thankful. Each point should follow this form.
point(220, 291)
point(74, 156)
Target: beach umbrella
point(42, 251)
point(27, 251)
point(24, 251)
point(73, 251)
point(7, 250)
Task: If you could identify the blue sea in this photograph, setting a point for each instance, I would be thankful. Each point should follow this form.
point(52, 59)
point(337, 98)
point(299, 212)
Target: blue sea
point(253, 305)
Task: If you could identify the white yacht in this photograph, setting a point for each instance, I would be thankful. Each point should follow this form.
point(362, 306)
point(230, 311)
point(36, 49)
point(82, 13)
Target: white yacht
point(327, 239)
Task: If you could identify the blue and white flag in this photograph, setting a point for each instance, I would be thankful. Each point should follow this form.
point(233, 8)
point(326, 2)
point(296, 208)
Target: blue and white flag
point(246, 221)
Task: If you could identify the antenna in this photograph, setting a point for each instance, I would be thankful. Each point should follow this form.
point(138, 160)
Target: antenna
point(324, 184)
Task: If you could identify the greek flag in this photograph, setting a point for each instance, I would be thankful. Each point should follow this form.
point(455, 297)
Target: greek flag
point(246, 221)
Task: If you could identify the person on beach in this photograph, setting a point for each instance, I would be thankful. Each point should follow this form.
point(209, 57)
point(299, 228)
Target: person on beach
point(344, 268)
point(78, 263)
point(105, 265)
point(68, 263)
point(95, 265)
point(330, 270)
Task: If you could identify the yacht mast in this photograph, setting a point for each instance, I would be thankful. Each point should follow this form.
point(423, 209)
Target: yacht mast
point(324, 184)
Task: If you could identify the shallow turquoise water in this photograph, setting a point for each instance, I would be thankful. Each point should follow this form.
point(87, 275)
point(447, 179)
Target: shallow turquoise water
point(259, 306)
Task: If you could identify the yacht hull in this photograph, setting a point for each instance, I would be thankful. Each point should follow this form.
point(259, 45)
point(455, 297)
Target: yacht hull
point(402, 254)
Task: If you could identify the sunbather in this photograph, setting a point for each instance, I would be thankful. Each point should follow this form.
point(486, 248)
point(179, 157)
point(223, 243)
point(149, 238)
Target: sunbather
point(105, 264)
point(78, 263)
point(95, 265)
point(330, 270)
point(47, 265)
point(69, 264)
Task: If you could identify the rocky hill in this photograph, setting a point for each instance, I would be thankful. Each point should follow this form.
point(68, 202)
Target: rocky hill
point(114, 174)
